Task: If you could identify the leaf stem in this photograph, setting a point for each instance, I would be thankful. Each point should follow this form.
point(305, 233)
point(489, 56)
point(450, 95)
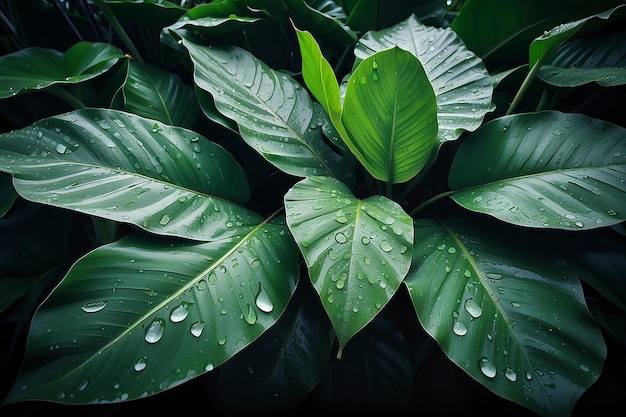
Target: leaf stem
point(430, 201)
point(525, 85)
point(119, 29)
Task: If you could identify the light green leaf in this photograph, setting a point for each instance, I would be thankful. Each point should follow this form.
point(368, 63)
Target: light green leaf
point(357, 251)
point(507, 312)
point(275, 115)
point(123, 167)
point(157, 94)
point(544, 170)
point(458, 77)
point(38, 68)
point(558, 35)
point(141, 316)
point(390, 115)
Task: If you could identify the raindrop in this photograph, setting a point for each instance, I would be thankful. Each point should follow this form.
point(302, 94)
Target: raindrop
point(263, 301)
point(164, 220)
point(341, 238)
point(222, 341)
point(154, 332)
point(487, 368)
point(385, 246)
point(451, 250)
point(251, 316)
point(473, 308)
point(61, 148)
point(365, 240)
point(374, 76)
point(196, 328)
point(459, 328)
point(141, 364)
point(180, 312)
point(94, 307)
point(510, 374)
point(104, 124)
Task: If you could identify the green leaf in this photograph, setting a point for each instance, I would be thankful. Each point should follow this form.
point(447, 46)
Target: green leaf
point(390, 115)
point(324, 18)
point(357, 251)
point(157, 94)
point(7, 194)
point(38, 68)
point(597, 59)
point(140, 316)
point(544, 170)
point(458, 77)
point(555, 37)
point(277, 371)
point(273, 112)
point(506, 311)
point(119, 166)
point(320, 78)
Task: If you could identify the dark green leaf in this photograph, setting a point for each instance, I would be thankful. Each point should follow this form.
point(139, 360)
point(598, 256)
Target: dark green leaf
point(323, 18)
point(122, 167)
point(357, 251)
point(506, 311)
point(544, 170)
point(140, 316)
point(8, 195)
point(38, 68)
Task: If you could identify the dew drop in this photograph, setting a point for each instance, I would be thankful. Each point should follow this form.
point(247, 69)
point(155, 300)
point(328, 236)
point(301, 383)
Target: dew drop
point(340, 238)
point(487, 368)
point(263, 301)
point(251, 316)
point(154, 332)
point(451, 250)
point(141, 364)
point(164, 220)
point(472, 307)
point(510, 374)
point(459, 328)
point(180, 312)
point(94, 307)
point(61, 148)
point(385, 246)
point(196, 328)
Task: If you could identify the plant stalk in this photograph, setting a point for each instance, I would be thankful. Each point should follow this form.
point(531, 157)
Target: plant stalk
point(119, 29)
point(525, 85)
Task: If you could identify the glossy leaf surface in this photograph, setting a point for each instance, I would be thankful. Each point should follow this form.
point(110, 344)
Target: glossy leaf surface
point(507, 312)
point(390, 115)
point(37, 68)
point(458, 77)
point(273, 112)
point(122, 167)
point(544, 170)
point(139, 316)
point(357, 251)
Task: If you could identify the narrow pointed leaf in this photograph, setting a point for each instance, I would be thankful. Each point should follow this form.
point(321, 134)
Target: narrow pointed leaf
point(507, 312)
point(126, 168)
point(156, 94)
point(38, 68)
point(458, 77)
point(273, 112)
point(546, 169)
point(390, 115)
point(357, 251)
point(140, 316)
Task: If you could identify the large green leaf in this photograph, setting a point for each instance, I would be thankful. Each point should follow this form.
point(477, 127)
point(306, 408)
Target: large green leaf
point(38, 68)
point(156, 94)
point(274, 113)
point(552, 39)
point(506, 311)
point(357, 251)
point(324, 18)
point(277, 371)
point(459, 78)
point(140, 316)
point(390, 115)
point(123, 167)
point(598, 59)
point(545, 170)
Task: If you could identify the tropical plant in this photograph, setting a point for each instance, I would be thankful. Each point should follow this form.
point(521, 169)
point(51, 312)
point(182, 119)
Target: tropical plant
point(334, 206)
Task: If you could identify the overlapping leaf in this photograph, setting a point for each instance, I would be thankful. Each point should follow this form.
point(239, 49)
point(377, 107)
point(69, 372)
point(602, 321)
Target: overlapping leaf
point(507, 312)
point(357, 251)
point(459, 78)
point(120, 166)
point(139, 316)
point(275, 115)
point(37, 68)
point(544, 170)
